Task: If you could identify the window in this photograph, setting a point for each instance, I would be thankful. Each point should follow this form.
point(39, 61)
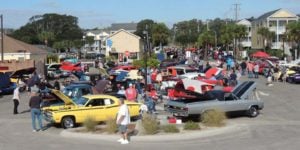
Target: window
point(179, 71)
point(96, 102)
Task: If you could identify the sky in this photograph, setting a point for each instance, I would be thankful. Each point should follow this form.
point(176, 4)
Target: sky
point(101, 13)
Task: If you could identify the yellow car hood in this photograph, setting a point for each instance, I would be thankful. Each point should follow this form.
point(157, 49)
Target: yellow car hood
point(63, 97)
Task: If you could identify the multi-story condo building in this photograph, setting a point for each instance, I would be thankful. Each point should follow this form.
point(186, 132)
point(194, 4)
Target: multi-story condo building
point(275, 21)
point(246, 41)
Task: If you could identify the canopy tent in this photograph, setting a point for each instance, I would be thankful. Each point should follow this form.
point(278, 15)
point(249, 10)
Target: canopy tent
point(260, 54)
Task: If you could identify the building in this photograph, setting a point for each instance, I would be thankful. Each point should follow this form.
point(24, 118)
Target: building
point(20, 55)
point(124, 45)
point(18, 50)
point(275, 21)
point(246, 41)
point(100, 36)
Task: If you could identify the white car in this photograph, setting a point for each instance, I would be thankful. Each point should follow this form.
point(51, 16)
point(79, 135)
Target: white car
point(191, 75)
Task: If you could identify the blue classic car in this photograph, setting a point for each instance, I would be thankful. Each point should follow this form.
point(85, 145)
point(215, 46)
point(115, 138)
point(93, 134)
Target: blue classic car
point(294, 78)
point(6, 86)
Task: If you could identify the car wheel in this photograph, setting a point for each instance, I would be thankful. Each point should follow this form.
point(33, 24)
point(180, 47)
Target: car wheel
point(253, 112)
point(68, 122)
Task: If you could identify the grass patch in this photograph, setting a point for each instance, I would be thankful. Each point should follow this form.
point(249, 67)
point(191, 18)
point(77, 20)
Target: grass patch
point(90, 123)
point(150, 124)
point(213, 118)
point(170, 128)
point(190, 125)
point(111, 126)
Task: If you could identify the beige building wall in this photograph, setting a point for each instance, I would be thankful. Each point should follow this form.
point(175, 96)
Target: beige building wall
point(123, 41)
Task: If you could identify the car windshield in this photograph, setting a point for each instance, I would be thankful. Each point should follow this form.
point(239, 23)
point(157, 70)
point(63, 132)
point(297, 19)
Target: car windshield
point(190, 70)
point(71, 93)
point(81, 101)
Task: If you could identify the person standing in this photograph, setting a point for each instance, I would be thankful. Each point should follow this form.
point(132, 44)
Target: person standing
point(256, 70)
point(244, 67)
point(123, 119)
point(16, 99)
point(131, 93)
point(35, 109)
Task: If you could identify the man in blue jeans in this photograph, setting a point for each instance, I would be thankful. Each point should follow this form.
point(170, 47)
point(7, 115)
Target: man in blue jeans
point(35, 109)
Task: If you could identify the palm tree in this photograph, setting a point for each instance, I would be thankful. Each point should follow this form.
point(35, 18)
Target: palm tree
point(46, 37)
point(266, 35)
point(205, 39)
point(240, 31)
point(293, 33)
point(227, 35)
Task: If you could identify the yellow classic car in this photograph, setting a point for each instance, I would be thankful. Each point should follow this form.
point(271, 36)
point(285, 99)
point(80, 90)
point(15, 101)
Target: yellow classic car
point(100, 107)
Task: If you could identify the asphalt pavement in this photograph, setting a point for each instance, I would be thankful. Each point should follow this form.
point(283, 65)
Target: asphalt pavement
point(276, 128)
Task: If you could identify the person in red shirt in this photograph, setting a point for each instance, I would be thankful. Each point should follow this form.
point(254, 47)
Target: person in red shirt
point(131, 93)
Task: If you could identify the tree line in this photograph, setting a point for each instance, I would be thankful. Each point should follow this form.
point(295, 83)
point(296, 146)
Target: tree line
point(63, 32)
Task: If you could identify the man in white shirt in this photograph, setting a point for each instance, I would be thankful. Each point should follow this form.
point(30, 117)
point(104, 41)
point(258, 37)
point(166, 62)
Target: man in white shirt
point(123, 119)
point(16, 98)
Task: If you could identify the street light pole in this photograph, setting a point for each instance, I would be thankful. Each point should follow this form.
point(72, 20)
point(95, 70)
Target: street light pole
point(2, 40)
point(146, 48)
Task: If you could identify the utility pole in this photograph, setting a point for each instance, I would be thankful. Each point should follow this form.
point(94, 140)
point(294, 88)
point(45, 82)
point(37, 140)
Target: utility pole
point(236, 11)
point(2, 40)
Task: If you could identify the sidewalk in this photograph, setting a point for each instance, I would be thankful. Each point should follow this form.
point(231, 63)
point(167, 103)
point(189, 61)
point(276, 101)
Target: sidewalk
point(183, 135)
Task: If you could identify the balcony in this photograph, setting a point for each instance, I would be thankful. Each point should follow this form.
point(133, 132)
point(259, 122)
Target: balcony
point(281, 29)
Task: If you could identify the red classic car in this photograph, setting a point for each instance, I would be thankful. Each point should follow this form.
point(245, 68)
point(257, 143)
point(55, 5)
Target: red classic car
point(68, 66)
point(124, 67)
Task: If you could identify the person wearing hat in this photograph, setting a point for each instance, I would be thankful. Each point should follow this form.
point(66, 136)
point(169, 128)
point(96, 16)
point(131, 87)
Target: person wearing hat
point(131, 93)
point(35, 109)
point(123, 119)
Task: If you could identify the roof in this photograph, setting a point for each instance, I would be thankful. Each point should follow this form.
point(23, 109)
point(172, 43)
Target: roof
point(267, 14)
point(125, 26)
point(12, 45)
point(122, 30)
point(98, 31)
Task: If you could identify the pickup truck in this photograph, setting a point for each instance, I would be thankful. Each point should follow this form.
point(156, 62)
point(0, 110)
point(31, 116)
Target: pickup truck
point(243, 98)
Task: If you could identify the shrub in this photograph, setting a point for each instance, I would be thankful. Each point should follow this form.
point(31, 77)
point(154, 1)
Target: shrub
point(170, 128)
point(111, 126)
point(190, 125)
point(150, 124)
point(90, 123)
point(213, 118)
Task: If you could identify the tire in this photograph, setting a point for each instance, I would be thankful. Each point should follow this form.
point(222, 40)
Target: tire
point(68, 122)
point(253, 112)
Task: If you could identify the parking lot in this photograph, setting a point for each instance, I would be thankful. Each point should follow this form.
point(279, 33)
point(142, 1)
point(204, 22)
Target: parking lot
point(277, 127)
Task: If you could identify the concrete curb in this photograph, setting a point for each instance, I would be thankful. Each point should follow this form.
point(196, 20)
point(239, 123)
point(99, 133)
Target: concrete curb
point(186, 135)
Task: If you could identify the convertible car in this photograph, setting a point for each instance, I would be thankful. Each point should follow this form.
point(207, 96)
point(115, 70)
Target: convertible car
point(100, 107)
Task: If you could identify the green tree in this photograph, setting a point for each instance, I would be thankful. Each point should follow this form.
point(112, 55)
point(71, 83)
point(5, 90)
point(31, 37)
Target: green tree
point(144, 25)
point(206, 39)
point(227, 35)
point(46, 37)
point(64, 27)
point(240, 31)
point(187, 32)
point(160, 34)
point(267, 36)
point(293, 34)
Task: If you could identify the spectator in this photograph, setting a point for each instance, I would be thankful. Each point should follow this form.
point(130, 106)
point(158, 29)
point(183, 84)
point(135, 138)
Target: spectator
point(233, 78)
point(56, 85)
point(244, 67)
point(256, 70)
point(131, 93)
point(123, 119)
point(16, 99)
point(34, 104)
point(250, 68)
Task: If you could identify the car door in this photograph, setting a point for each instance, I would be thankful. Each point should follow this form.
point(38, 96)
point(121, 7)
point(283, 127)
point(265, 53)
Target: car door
point(111, 108)
point(95, 108)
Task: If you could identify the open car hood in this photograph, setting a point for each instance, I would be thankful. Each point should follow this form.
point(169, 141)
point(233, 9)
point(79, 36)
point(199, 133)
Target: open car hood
point(194, 85)
point(63, 97)
point(22, 72)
